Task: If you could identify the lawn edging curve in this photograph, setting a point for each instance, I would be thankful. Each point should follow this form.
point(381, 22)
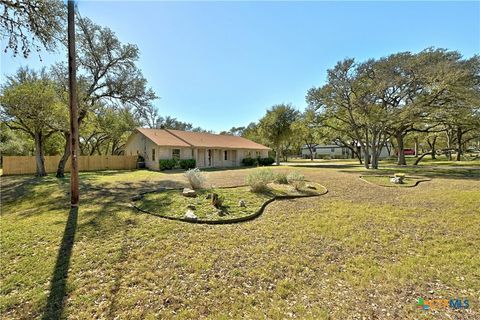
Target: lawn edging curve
point(227, 221)
point(418, 178)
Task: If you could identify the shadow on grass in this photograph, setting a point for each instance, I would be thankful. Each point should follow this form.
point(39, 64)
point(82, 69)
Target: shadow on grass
point(58, 284)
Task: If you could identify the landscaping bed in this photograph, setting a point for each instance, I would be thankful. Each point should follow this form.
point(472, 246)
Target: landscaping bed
point(239, 203)
point(385, 181)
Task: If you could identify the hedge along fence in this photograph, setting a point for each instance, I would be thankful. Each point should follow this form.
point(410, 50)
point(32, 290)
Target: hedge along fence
point(27, 165)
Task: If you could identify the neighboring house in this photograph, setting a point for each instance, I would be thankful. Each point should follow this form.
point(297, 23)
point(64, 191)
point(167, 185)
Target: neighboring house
point(335, 152)
point(209, 150)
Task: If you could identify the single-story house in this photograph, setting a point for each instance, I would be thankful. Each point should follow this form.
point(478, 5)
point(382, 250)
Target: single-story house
point(209, 150)
point(335, 151)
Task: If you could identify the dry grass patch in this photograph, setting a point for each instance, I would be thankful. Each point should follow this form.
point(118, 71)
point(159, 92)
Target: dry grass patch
point(360, 251)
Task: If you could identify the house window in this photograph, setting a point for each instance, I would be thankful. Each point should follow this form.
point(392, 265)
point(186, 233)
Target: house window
point(176, 154)
point(225, 155)
point(153, 154)
point(257, 153)
point(332, 150)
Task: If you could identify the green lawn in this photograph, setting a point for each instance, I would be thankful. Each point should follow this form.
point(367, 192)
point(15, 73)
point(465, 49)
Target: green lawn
point(360, 251)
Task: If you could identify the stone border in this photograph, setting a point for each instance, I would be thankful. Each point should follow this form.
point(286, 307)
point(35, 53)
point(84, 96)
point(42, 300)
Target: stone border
point(419, 179)
point(226, 221)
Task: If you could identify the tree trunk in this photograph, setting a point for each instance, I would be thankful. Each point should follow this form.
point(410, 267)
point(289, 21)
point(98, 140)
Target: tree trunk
point(420, 158)
point(374, 157)
point(39, 157)
point(366, 158)
point(449, 146)
point(459, 143)
point(63, 160)
point(400, 147)
point(416, 146)
point(432, 147)
point(277, 155)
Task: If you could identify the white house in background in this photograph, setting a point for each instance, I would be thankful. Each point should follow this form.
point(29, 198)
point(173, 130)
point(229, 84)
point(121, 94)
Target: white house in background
point(209, 150)
point(335, 152)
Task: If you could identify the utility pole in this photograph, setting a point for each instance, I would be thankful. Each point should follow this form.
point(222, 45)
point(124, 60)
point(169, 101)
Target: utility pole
point(72, 85)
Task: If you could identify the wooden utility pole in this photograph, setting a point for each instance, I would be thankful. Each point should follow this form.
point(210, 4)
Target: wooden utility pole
point(72, 85)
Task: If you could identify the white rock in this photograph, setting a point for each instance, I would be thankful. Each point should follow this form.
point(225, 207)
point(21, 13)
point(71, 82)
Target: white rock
point(187, 192)
point(396, 180)
point(242, 203)
point(190, 215)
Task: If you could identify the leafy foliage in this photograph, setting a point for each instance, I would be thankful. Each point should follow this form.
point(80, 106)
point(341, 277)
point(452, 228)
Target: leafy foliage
point(275, 126)
point(265, 161)
point(167, 164)
point(31, 24)
point(195, 178)
point(249, 162)
point(187, 163)
point(259, 179)
point(296, 179)
point(281, 178)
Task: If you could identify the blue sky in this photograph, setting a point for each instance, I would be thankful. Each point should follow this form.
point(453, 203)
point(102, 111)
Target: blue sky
point(222, 64)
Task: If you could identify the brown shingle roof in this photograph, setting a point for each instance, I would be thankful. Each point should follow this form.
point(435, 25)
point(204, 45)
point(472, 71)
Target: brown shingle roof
point(163, 138)
point(168, 137)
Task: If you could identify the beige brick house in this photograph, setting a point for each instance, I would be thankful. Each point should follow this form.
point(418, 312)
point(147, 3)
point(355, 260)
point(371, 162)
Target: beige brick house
point(209, 150)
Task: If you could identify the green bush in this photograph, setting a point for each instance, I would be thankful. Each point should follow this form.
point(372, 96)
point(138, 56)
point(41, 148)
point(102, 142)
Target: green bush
point(296, 179)
point(249, 162)
point(281, 178)
point(187, 164)
point(259, 179)
point(167, 164)
point(265, 161)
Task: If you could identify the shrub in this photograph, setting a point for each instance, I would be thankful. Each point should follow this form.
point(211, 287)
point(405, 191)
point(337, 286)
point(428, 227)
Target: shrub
point(296, 179)
point(281, 178)
point(188, 164)
point(259, 179)
point(265, 161)
point(195, 178)
point(249, 162)
point(167, 164)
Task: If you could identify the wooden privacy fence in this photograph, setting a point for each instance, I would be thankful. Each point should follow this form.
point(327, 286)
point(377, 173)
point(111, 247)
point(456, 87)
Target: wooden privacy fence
point(27, 165)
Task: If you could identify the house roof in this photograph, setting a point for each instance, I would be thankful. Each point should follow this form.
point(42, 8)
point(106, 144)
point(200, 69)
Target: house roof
point(177, 138)
point(162, 137)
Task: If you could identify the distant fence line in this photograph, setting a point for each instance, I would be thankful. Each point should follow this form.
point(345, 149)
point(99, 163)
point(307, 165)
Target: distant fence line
point(27, 165)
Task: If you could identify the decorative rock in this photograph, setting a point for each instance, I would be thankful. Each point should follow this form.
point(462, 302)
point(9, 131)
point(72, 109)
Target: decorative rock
point(190, 215)
point(242, 203)
point(397, 180)
point(187, 192)
point(191, 206)
point(309, 186)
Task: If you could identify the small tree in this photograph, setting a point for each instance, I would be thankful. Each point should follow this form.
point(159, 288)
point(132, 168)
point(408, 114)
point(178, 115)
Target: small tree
point(29, 103)
point(306, 130)
point(275, 126)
